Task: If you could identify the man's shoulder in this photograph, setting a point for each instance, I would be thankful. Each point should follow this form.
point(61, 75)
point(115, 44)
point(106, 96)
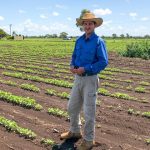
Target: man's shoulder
point(80, 37)
point(99, 39)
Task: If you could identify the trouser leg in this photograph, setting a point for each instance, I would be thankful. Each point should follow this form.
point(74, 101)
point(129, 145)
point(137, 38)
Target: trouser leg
point(74, 107)
point(89, 107)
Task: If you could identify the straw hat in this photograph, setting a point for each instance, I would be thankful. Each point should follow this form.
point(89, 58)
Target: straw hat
point(89, 17)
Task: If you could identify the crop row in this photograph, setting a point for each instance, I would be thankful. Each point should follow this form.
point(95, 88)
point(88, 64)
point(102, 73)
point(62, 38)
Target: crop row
point(19, 100)
point(135, 112)
point(13, 126)
point(24, 76)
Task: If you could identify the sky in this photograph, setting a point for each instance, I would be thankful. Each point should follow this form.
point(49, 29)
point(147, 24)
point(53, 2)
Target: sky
point(40, 17)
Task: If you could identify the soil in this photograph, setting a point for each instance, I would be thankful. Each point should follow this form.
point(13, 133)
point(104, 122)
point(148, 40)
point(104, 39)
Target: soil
point(115, 128)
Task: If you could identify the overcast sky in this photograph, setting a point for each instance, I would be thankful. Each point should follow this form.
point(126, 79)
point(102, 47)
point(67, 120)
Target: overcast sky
point(39, 17)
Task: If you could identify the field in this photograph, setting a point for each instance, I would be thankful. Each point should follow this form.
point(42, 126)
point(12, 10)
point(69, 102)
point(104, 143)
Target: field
point(35, 84)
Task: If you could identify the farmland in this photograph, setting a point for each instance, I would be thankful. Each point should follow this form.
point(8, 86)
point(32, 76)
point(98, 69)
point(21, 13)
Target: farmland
point(35, 84)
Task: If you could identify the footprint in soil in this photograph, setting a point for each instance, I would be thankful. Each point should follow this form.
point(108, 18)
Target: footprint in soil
point(69, 144)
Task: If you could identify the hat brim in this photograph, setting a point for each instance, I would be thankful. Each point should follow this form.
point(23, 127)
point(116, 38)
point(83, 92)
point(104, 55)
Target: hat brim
point(98, 21)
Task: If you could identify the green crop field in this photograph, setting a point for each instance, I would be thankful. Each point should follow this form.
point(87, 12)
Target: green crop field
point(35, 85)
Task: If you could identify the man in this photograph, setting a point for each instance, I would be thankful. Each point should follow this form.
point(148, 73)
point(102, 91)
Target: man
point(88, 59)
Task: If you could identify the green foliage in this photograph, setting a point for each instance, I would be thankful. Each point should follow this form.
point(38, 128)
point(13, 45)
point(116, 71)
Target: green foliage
point(63, 35)
point(144, 83)
point(19, 100)
point(129, 88)
point(51, 92)
point(30, 87)
point(140, 89)
point(146, 114)
point(2, 33)
point(56, 93)
point(58, 112)
point(141, 50)
point(2, 66)
point(11, 83)
point(38, 107)
point(132, 111)
point(56, 82)
point(103, 91)
point(123, 96)
point(47, 142)
point(147, 141)
point(110, 85)
point(13, 126)
point(9, 37)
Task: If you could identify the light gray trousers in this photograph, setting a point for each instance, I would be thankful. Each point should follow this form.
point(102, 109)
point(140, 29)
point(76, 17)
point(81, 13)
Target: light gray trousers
point(84, 93)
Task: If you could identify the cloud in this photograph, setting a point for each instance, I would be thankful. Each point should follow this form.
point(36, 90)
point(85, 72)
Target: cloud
point(120, 27)
point(122, 14)
point(43, 16)
point(69, 18)
point(21, 11)
point(42, 8)
point(94, 5)
point(100, 12)
point(60, 6)
point(55, 13)
point(107, 23)
point(127, 1)
point(144, 19)
point(28, 27)
point(133, 14)
point(1, 18)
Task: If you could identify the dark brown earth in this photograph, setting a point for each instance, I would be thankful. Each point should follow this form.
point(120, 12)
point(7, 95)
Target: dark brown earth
point(115, 128)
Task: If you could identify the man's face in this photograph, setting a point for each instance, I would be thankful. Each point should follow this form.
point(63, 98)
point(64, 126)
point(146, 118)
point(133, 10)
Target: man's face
point(88, 26)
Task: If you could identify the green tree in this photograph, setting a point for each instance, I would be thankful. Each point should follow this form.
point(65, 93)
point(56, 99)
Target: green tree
point(63, 35)
point(127, 35)
point(2, 33)
point(54, 36)
point(114, 35)
point(122, 36)
point(14, 33)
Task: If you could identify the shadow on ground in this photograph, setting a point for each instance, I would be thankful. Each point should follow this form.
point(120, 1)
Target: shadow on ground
point(68, 144)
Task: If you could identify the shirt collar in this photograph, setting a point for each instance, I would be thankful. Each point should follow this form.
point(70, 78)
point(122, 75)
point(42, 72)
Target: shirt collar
point(91, 36)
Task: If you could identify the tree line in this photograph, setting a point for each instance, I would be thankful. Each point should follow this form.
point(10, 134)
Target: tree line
point(65, 35)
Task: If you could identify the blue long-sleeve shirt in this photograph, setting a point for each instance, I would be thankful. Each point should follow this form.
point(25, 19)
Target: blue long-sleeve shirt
point(90, 53)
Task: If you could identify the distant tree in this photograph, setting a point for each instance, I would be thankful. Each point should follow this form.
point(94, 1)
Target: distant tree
point(2, 33)
point(103, 36)
point(54, 36)
point(127, 35)
point(122, 36)
point(147, 36)
point(114, 35)
point(63, 35)
point(47, 36)
point(14, 33)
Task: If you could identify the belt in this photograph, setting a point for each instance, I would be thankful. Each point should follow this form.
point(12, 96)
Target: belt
point(86, 74)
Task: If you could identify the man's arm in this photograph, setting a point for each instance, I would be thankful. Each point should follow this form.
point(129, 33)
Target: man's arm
point(72, 63)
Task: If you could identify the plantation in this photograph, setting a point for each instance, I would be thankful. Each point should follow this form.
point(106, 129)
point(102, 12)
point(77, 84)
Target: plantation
point(35, 85)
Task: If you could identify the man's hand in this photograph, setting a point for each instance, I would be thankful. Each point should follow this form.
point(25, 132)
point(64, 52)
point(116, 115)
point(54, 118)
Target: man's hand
point(72, 69)
point(80, 70)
